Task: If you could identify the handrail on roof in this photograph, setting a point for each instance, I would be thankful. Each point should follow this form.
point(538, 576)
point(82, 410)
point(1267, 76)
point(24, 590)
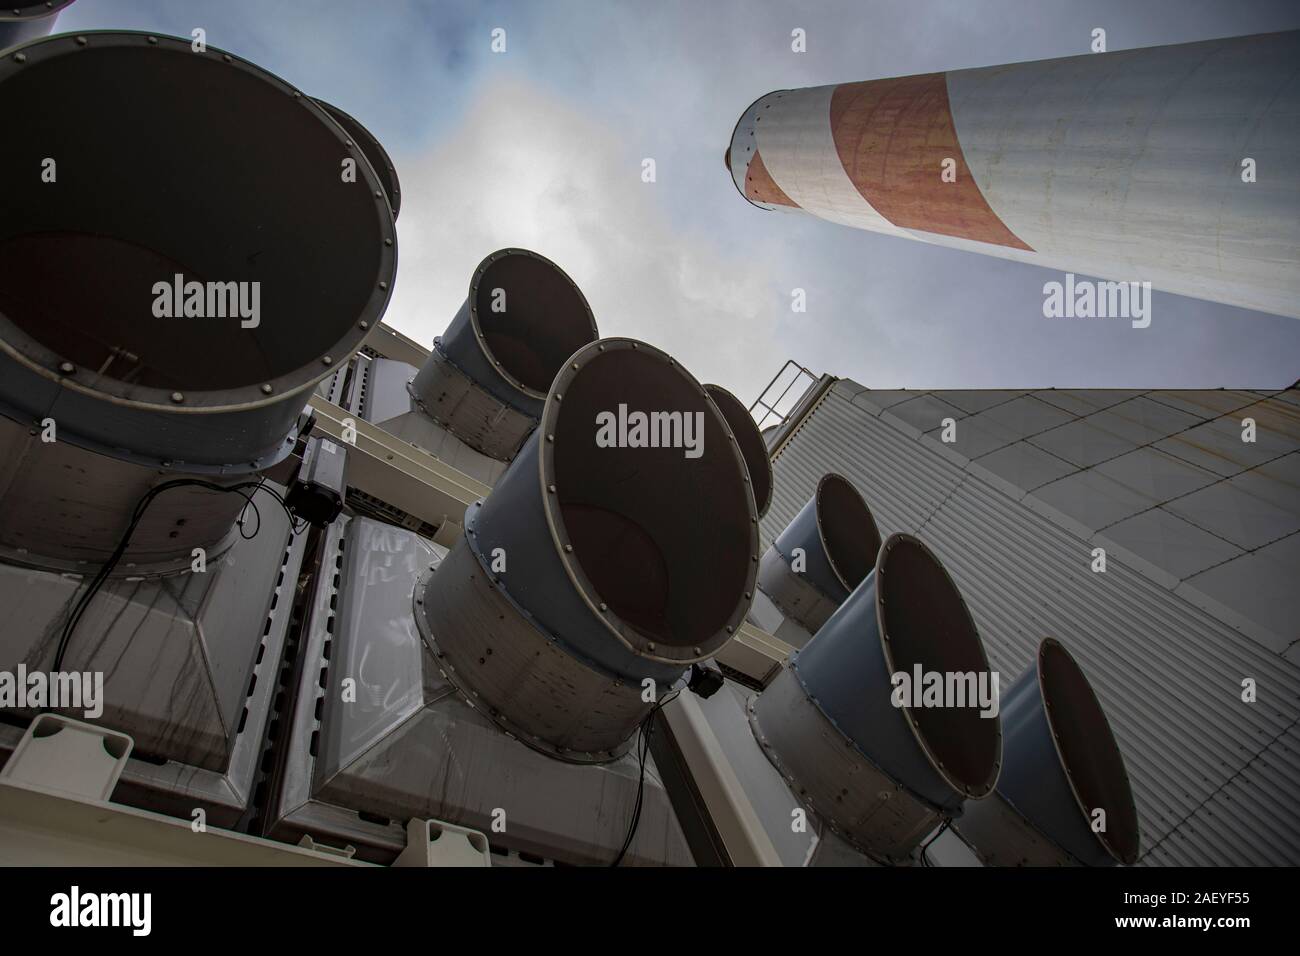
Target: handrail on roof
point(773, 408)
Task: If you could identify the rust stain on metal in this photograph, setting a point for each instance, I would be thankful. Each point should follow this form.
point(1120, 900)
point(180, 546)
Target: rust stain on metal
point(760, 186)
point(892, 137)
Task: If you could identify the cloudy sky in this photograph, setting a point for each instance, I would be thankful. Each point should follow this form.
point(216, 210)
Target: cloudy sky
point(542, 146)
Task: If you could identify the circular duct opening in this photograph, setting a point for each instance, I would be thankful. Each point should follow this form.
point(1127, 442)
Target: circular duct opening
point(158, 162)
point(752, 447)
point(1091, 758)
point(30, 9)
point(374, 152)
point(663, 537)
point(530, 317)
point(925, 622)
point(848, 530)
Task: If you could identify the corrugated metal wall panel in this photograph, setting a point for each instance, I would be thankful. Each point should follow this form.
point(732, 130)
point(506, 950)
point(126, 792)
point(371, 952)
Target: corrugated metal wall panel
point(1213, 780)
point(1258, 836)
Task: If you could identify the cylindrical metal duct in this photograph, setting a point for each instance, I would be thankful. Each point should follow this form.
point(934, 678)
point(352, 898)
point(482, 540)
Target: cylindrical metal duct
point(487, 376)
point(180, 258)
point(879, 773)
point(1137, 165)
point(600, 559)
point(23, 20)
point(1062, 767)
point(62, 507)
point(822, 555)
point(752, 447)
point(373, 150)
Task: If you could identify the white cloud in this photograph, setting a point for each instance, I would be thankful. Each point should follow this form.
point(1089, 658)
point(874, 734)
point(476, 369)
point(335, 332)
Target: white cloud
point(524, 169)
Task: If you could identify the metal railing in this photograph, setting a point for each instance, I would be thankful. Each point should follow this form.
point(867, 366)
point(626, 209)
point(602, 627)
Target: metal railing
point(779, 407)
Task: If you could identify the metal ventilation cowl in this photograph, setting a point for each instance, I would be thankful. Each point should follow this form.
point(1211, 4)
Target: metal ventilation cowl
point(589, 569)
point(752, 447)
point(833, 541)
point(486, 378)
point(247, 207)
point(23, 20)
point(883, 775)
point(373, 150)
point(1062, 766)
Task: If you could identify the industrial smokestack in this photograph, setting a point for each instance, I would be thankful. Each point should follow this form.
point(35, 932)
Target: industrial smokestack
point(883, 774)
point(1063, 798)
point(620, 545)
point(28, 19)
point(177, 321)
point(822, 555)
point(1171, 165)
point(752, 447)
point(487, 376)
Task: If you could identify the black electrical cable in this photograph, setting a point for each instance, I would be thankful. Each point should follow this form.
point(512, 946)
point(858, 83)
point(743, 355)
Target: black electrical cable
point(137, 514)
point(239, 522)
point(643, 739)
point(644, 730)
point(299, 525)
point(925, 860)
